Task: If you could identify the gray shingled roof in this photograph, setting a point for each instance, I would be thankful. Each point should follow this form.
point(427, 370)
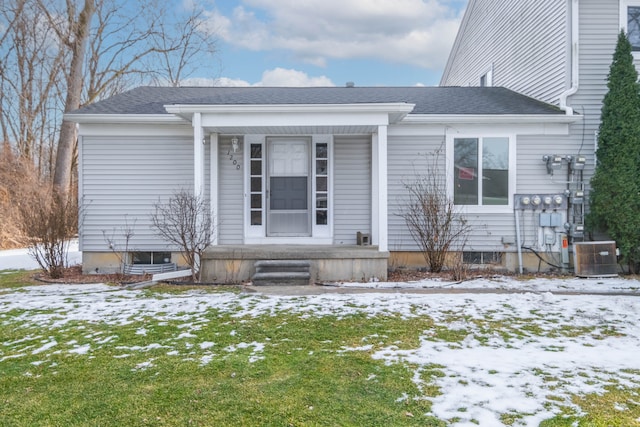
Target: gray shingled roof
point(427, 100)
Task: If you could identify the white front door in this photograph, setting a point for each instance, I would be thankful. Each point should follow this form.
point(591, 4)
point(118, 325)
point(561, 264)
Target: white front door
point(288, 188)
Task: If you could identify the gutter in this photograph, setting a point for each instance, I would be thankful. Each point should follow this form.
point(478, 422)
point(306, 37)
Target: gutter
point(575, 44)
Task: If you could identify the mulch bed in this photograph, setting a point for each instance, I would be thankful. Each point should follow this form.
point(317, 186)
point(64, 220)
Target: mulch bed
point(74, 275)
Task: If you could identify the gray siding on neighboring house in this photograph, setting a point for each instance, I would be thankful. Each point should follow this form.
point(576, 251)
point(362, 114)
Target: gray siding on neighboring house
point(599, 29)
point(352, 188)
point(230, 213)
point(525, 43)
point(121, 180)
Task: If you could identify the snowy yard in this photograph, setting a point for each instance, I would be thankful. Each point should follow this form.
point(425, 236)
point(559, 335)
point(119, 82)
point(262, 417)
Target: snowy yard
point(525, 354)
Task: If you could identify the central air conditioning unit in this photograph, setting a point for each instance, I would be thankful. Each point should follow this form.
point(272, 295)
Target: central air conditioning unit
point(595, 259)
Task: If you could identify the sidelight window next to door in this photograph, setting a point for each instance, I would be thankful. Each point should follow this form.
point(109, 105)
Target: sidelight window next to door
point(289, 188)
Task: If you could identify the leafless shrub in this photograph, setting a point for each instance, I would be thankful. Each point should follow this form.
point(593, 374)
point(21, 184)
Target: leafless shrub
point(121, 251)
point(434, 221)
point(457, 267)
point(49, 220)
point(185, 220)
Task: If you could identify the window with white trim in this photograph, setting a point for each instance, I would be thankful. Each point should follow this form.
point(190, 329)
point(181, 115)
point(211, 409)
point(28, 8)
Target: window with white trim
point(633, 26)
point(482, 171)
point(630, 22)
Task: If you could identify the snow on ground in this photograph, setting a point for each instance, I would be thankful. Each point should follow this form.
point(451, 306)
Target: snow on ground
point(19, 259)
point(525, 353)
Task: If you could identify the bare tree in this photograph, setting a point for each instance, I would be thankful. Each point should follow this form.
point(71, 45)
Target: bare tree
point(186, 221)
point(181, 48)
point(118, 44)
point(73, 32)
point(30, 70)
point(434, 221)
point(59, 55)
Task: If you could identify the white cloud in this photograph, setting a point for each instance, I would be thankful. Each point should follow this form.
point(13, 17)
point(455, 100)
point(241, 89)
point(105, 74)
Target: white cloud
point(415, 32)
point(288, 77)
point(275, 77)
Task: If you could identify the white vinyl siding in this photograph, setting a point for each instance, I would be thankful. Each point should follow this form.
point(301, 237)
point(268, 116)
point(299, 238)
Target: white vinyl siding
point(524, 43)
point(122, 178)
point(231, 195)
point(352, 188)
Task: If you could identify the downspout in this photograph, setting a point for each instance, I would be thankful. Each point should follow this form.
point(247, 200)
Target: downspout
point(574, 47)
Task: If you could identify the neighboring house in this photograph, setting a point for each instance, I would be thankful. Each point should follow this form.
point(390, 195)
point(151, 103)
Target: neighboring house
point(317, 174)
point(557, 51)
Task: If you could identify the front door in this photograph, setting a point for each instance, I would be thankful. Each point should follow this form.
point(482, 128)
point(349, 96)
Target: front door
point(288, 188)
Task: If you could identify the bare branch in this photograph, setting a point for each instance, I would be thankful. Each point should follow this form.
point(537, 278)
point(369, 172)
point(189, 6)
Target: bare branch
point(186, 221)
point(433, 220)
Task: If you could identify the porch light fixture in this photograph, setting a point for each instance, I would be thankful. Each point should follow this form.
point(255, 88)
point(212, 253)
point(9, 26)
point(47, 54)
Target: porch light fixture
point(234, 144)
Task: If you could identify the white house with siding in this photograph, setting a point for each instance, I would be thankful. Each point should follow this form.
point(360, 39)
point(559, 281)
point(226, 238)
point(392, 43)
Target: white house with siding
point(316, 174)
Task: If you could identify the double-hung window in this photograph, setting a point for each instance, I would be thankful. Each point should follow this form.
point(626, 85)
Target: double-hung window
point(481, 171)
point(630, 21)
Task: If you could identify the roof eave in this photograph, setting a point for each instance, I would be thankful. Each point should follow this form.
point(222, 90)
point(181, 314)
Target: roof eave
point(490, 118)
point(124, 118)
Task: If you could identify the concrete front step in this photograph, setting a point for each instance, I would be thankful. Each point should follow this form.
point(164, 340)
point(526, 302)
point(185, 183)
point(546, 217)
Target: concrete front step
point(286, 278)
point(272, 266)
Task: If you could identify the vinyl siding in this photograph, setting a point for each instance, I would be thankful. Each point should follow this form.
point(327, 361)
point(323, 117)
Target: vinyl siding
point(408, 158)
point(352, 188)
point(599, 29)
point(230, 213)
point(121, 180)
point(524, 42)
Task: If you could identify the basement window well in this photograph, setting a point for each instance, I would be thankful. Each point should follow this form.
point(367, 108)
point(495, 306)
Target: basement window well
point(151, 257)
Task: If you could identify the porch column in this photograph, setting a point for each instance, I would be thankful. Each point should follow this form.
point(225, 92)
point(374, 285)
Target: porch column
point(379, 189)
point(198, 156)
point(213, 185)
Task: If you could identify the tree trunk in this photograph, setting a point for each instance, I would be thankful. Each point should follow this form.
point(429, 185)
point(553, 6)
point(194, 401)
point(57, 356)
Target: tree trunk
point(77, 42)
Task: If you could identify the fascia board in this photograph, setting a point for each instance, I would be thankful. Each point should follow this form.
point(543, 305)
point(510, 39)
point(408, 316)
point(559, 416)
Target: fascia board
point(490, 118)
point(124, 118)
point(392, 112)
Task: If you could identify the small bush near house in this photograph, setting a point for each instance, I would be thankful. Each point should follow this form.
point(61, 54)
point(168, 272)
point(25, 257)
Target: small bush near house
point(434, 221)
point(186, 221)
point(48, 221)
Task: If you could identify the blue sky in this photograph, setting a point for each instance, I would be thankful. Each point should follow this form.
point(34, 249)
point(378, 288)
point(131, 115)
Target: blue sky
point(330, 42)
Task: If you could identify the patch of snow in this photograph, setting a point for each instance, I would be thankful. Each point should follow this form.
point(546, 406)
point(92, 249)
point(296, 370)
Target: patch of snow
point(83, 349)
point(19, 259)
point(46, 346)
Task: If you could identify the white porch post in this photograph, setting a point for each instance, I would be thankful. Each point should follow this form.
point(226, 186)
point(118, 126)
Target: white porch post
point(213, 185)
point(198, 156)
point(379, 227)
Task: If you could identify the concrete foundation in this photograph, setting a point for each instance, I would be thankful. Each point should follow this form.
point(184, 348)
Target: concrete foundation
point(530, 262)
point(235, 264)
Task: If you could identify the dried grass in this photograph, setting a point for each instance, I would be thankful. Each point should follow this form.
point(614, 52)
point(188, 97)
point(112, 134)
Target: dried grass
point(18, 178)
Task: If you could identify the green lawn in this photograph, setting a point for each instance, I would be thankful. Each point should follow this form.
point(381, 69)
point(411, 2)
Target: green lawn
point(224, 367)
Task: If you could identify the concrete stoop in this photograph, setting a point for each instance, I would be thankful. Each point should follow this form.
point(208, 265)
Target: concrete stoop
point(282, 272)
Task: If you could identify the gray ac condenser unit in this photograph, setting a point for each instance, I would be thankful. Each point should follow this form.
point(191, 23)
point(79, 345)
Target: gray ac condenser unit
point(595, 259)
